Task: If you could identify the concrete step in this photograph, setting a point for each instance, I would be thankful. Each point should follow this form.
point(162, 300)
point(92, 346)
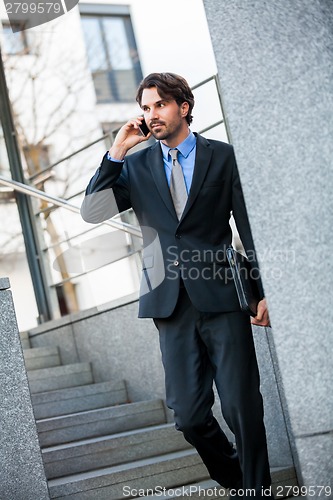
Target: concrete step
point(283, 478)
point(112, 450)
point(41, 357)
point(196, 491)
point(60, 377)
point(118, 482)
point(25, 340)
point(80, 398)
point(100, 422)
point(175, 475)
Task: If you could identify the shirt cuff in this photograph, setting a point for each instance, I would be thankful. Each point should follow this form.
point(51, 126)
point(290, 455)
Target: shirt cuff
point(109, 157)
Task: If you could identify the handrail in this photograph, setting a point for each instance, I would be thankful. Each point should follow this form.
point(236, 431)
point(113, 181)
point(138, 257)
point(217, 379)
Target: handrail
point(59, 202)
point(105, 136)
point(68, 157)
point(36, 193)
point(214, 78)
point(203, 82)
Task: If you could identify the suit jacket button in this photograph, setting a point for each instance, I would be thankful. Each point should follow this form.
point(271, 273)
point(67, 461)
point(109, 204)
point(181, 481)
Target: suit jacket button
point(176, 263)
point(178, 236)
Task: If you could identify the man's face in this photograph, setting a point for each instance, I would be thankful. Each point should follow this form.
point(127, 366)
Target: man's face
point(165, 119)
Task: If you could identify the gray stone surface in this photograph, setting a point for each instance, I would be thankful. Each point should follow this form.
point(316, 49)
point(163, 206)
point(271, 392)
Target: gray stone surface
point(25, 342)
point(211, 489)
point(282, 397)
point(59, 377)
point(118, 344)
point(80, 398)
point(41, 357)
point(111, 450)
point(275, 420)
point(276, 73)
point(315, 455)
point(60, 333)
point(22, 474)
point(107, 484)
point(99, 422)
point(4, 283)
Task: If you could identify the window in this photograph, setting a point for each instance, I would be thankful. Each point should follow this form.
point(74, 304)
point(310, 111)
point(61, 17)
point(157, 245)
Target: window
point(112, 55)
point(111, 128)
point(38, 161)
point(14, 43)
point(37, 157)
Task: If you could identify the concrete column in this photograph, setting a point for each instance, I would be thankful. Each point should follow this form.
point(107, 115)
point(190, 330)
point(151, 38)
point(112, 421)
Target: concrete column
point(22, 474)
point(275, 61)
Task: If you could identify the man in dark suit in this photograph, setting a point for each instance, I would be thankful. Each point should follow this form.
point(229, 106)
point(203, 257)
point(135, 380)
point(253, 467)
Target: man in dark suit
point(187, 287)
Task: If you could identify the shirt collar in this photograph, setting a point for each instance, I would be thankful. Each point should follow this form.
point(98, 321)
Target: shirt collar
point(184, 147)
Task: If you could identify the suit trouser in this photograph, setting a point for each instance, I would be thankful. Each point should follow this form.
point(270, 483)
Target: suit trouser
point(198, 348)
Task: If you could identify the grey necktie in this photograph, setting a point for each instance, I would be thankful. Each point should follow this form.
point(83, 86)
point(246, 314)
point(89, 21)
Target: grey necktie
point(177, 184)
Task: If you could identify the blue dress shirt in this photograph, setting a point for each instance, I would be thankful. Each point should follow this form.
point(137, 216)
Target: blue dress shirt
point(186, 158)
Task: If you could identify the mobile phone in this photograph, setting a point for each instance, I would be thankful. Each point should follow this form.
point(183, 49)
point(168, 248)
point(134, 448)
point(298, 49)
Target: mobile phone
point(144, 128)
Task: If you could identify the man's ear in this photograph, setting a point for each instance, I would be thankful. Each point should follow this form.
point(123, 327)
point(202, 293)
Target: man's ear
point(184, 109)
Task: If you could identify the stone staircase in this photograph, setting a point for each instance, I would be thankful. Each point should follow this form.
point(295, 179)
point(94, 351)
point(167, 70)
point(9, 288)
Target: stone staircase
point(96, 445)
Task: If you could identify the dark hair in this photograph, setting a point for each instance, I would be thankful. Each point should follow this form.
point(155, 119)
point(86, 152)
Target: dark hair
point(169, 85)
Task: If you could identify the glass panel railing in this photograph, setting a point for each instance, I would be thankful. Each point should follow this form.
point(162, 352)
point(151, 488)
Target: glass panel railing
point(90, 265)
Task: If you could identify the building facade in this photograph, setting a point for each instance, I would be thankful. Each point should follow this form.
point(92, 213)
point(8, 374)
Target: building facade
point(72, 84)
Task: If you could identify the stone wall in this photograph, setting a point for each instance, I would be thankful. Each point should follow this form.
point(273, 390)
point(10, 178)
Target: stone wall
point(22, 474)
point(276, 73)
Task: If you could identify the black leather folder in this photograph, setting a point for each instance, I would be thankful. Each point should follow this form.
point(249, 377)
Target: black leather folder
point(245, 283)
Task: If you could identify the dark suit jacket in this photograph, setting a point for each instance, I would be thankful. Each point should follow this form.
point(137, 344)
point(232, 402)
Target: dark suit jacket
point(193, 247)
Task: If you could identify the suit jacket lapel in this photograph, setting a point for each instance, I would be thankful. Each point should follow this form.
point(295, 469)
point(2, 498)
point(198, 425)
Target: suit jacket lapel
point(202, 161)
point(155, 160)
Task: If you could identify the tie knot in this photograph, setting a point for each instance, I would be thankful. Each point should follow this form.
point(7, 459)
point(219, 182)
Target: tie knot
point(174, 154)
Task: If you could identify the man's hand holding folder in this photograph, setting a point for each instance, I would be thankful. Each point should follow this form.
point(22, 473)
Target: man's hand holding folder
point(262, 318)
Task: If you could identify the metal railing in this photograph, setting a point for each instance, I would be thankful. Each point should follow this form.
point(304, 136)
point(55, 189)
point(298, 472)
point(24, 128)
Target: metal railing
point(59, 202)
point(222, 121)
point(55, 203)
point(34, 177)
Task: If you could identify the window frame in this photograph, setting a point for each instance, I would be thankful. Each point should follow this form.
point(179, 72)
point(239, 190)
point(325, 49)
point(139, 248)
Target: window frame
point(20, 33)
point(100, 12)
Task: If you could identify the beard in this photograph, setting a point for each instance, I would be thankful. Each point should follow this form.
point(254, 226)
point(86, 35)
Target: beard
point(161, 134)
point(166, 130)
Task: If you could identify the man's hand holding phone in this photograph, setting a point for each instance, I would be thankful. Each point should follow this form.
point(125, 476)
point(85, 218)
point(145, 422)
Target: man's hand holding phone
point(131, 134)
point(144, 128)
